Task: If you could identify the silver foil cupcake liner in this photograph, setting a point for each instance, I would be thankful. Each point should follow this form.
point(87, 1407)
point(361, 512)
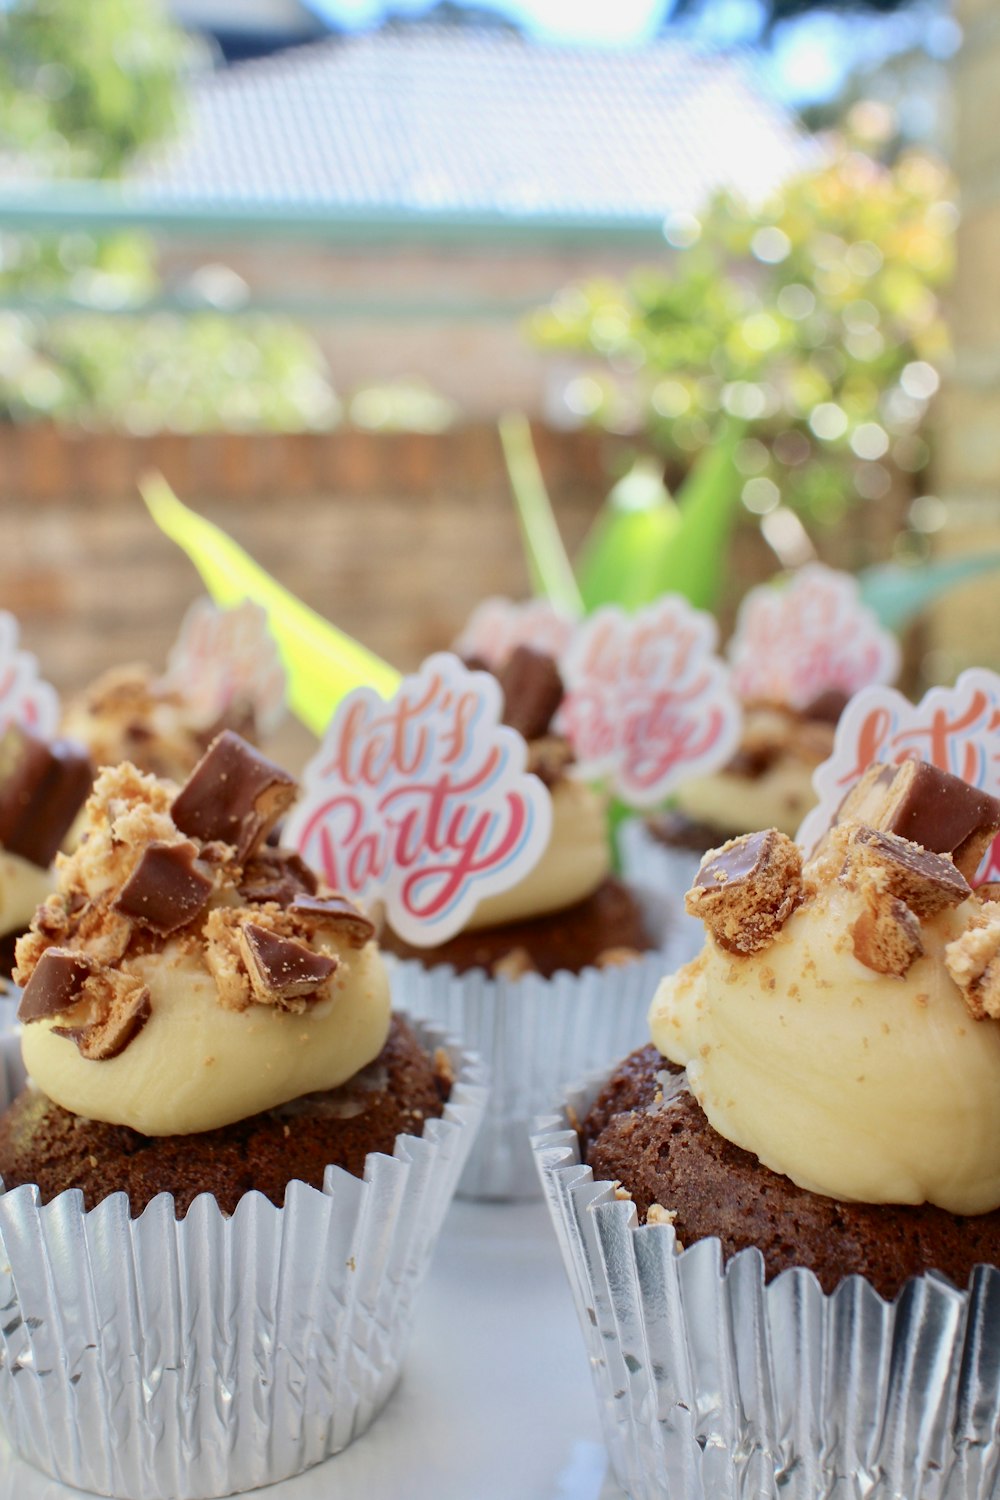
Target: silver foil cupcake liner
point(671, 872)
point(713, 1386)
point(164, 1359)
point(535, 1035)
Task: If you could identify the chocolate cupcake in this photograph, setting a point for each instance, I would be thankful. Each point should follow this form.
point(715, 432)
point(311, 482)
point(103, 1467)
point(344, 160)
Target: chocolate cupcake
point(216, 1083)
point(570, 912)
point(130, 714)
point(552, 976)
point(799, 1183)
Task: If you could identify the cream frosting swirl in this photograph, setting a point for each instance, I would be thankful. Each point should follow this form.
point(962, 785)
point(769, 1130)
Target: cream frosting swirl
point(779, 798)
point(576, 861)
point(197, 979)
point(196, 1065)
point(854, 1084)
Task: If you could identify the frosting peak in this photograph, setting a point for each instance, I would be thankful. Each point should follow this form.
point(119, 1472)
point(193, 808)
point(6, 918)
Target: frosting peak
point(186, 974)
point(841, 1022)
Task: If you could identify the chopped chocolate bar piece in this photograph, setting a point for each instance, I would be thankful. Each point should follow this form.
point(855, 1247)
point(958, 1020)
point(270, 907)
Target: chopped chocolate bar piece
point(282, 969)
point(336, 911)
point(42, 788)
point(925, 881)
point(929, 807)
point(119, 1006)
point(887, 933)
point(532, 691)
point(746, 891)
point(168, 888)
point(55, 986)
point(234, 794)
point(827, 706)
point(973, 961)
point(276, 875)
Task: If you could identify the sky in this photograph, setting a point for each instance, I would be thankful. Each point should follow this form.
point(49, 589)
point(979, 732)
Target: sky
point(808, 59)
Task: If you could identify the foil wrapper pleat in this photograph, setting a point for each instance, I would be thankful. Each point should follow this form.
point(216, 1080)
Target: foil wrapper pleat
point(536, 1035)
point(670, 872)
point(712, 1385)
point(163, 1359)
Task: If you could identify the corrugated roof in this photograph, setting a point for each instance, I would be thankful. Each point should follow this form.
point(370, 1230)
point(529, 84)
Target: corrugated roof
point(462, 121)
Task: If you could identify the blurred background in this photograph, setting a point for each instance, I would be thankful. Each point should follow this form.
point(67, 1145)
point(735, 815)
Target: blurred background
point(301, 255)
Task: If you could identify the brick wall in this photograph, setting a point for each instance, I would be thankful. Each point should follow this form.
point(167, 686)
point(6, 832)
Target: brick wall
point(394, 538)
point(964, 630)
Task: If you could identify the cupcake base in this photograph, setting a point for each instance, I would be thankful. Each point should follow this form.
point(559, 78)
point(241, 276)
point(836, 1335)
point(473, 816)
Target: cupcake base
point(713, 1385)
point(43, 1144)
point(157, 1358)
point(534, 1034)
point(609, 922)
point(648, 1132)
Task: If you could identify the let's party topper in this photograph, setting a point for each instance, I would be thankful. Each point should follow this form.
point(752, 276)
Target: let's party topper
point(227, 658)
point(813, 635)
point(648, 702)
point(25, 700)
point(956, 729)
point(423, 801)
point(498, 626)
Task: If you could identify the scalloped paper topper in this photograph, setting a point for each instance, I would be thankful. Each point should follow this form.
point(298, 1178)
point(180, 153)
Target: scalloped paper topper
point(497, 626)
point(24, 698)
point(422, 801)
point(795, 641)
point(955, 728)
point(648, 703)
point(227, 657)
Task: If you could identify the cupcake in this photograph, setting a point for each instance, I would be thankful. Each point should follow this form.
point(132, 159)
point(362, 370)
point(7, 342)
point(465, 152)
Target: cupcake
point(223, 672)
point(43, 784)
point(225, 1174)
point(569, 912)
point(800, 649)
point(782, 1220)
point(550, 977)
point(129, 713)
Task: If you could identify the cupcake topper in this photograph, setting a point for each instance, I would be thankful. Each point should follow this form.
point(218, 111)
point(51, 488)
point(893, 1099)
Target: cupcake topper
point(225, 658)
point(25, 700)
point(648, 703)
point(955, 728)
point(422, 801)
point(497, 626)
point(793, 643)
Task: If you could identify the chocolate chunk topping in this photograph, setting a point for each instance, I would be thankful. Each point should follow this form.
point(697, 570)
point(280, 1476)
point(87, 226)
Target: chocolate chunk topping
point(276, 875)
point(119, 1007)
point(282, 969)
point(887, 934)
point(234, 794)
point(42, 788)
point(532, 691)
point(745, 891)
point(55, 986)
point(167, 889)
point(336, 911)
point(927, 806)
point(926, 881)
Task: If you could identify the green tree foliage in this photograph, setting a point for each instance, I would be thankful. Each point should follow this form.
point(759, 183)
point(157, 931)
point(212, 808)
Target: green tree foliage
point(83, 86)
point(86, 85)
point(814, 319)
